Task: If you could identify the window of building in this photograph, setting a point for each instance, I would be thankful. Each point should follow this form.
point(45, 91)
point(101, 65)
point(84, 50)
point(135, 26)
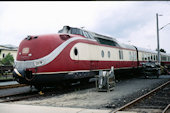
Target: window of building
point(3, 55)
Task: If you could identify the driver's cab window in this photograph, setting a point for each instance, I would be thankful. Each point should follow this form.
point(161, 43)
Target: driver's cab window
point(70, 30)
point(76, 31)
point(88, 35)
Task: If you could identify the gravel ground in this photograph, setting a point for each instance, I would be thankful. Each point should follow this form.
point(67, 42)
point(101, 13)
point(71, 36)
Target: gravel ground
point(125, 91)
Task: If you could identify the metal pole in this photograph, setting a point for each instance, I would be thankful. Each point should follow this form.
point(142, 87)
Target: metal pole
point(158, 38)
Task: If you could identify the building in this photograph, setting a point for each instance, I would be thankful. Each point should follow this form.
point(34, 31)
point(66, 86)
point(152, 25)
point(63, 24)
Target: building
point(5, 49)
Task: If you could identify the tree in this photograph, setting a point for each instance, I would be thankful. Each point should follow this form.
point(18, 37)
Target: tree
point(8, 60)
point(161, 50)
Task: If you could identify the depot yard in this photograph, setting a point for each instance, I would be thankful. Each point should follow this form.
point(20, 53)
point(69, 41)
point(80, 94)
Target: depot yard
point(124, 92)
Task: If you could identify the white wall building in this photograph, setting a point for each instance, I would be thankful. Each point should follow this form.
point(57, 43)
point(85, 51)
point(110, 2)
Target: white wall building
point(5, 49)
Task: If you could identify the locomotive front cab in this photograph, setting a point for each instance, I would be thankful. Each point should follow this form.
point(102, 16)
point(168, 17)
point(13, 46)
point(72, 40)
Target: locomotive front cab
point(33, 53)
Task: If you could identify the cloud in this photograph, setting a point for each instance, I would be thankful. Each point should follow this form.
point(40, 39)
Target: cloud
point(136, 23)
point(125, 20)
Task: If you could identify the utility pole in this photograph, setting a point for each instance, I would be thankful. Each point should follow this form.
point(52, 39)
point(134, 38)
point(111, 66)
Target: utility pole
point(158, 38)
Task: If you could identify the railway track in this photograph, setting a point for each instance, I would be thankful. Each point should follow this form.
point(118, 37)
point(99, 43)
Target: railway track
point(48, 92)
point(155, 101)
point(12, 86)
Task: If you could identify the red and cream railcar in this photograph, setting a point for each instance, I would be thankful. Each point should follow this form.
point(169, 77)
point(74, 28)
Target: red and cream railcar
point(165, 59)
point(146, 55)
point(73, 54)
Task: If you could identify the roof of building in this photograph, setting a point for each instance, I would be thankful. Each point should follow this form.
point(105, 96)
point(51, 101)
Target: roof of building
point(8, 47)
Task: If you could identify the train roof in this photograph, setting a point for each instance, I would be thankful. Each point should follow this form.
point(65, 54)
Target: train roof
point(166, 54)
point(100, 37)
point(146, 50)
point(103, 36)
point(67, 28)
point(151, 51)
point(127, 46)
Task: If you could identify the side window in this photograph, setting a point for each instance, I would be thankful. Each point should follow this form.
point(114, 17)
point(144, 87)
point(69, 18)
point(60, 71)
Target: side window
point(109, 54)
point(90, 35)
point(148, 57)
point(86, 34)
point(151, 57)
point(142, 57)
point(106, 42)
point(134, 55)
point(120, 54)
point(130, 57)
point(102, 53)
point(145, 57)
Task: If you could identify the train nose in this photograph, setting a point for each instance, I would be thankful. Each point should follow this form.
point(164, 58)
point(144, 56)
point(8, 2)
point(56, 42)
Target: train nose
point(36, 47)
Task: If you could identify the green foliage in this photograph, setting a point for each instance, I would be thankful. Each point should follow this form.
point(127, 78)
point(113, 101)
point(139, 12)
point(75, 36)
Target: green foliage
point(8, 60)
point(161, 50)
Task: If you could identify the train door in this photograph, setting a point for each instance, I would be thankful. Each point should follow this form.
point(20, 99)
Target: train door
point(93, 58)
point(132, 58)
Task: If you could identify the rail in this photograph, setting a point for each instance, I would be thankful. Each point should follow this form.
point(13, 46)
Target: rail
point(140, 98)
point(166, 109)
point(12, 86)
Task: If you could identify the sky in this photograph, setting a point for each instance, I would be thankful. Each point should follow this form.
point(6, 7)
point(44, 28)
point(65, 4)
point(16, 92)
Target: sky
point(130, 22)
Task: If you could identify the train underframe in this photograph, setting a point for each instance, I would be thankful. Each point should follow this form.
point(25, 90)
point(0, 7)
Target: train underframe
point(45, 80)
point(39, 80)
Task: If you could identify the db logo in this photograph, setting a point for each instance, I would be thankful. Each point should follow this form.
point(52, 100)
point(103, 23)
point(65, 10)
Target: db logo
point(25, 50)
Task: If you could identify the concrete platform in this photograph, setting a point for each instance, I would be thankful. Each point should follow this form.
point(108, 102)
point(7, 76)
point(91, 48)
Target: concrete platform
point(8, 83)
point(16, 108)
